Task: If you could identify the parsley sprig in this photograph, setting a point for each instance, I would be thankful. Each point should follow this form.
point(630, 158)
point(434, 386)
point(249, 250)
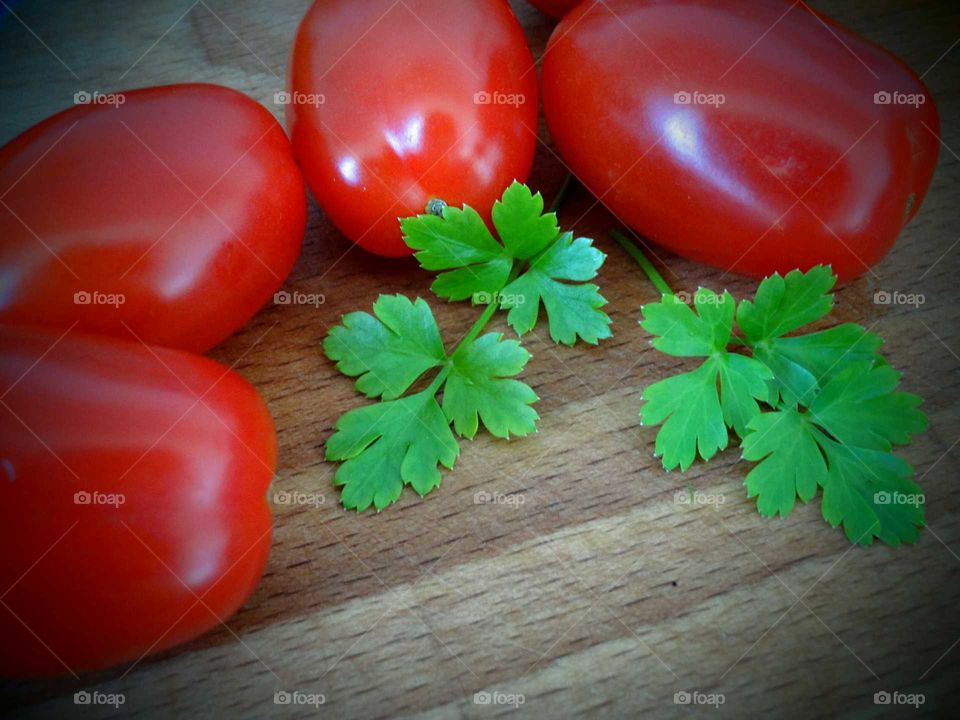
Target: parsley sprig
point(406, 436)
point(813, 410)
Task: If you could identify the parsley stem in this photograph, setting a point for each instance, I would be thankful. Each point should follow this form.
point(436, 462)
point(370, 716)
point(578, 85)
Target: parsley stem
point(477, 327)
point(643, 261)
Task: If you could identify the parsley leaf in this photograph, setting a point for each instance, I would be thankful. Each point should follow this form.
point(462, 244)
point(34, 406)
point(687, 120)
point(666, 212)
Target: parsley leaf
point(871, 494)
point(801, 363)
point(405, 438)
point(817, 410)
point(689, 408)
point(697, 407)
point(683, 333)
point(859, 408)
point(783, 304)
point(572, 310)
point(843, 444)
point(387, 445)
point(479, 386)
point(791, 464)
point(535, 264)
point(460, 243)
point(524, 229)
point(388, 350)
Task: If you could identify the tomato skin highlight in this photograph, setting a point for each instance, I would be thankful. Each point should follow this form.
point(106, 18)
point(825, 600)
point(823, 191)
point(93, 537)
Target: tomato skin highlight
point(101, 582)
point(719, 182)
point(403, 117)
point(102, 200)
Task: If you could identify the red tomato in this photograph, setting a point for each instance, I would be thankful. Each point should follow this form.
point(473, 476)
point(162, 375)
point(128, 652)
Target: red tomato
point(393, 104)
point(554, 8)
point(755, 137)
point(133, 481)
point(176, 211)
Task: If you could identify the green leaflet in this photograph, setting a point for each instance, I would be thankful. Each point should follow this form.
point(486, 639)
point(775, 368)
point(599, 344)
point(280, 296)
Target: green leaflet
point(573, 310)
point(480, 388)
point(389, 350)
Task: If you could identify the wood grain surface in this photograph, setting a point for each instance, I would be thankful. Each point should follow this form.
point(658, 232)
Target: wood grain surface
point(598, 595)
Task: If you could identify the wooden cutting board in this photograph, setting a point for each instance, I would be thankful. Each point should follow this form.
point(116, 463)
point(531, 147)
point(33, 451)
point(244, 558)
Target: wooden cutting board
point(599, 595)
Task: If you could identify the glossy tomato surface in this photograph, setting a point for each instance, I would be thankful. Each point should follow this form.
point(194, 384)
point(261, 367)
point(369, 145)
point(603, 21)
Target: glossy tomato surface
point(554, 8)
point(133, 508)
point(393, 104)
point(175, 211)
point(755, 137)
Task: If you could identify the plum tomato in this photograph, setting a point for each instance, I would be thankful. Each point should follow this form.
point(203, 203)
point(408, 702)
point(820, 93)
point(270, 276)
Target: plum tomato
point(754, 137)
point(170, 214)
point(393, 104)
point(133, 498)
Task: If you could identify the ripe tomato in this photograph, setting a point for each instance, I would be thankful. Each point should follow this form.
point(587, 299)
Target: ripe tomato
point(133, 481)
point(756, 137)
point(176, 211)
point(393, 104)
point(554, 8)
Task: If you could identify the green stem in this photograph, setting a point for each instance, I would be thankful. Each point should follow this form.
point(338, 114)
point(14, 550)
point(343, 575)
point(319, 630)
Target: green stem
point(561, 193)
point(471, 335)
point(479, 325)
point(643, 261)
point(476, 329)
